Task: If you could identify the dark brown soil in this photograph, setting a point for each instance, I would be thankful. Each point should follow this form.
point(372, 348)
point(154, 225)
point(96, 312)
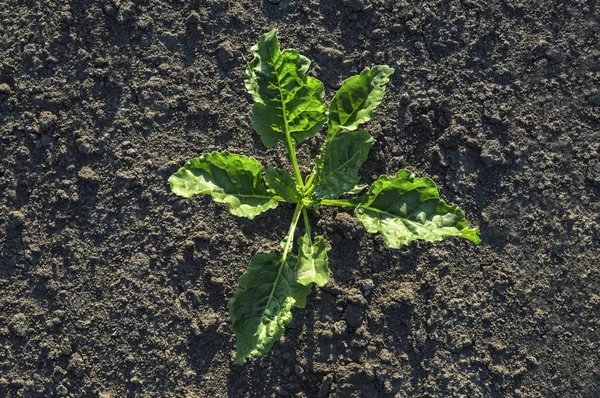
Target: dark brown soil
point(111, 286)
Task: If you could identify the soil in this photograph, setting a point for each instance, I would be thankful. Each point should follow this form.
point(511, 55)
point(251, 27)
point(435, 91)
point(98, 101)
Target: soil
point(112, 286)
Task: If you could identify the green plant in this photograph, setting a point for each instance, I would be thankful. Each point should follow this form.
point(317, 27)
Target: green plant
point(288, 107)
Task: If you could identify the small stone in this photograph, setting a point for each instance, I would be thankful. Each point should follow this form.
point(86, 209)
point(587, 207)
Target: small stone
point(355, 5)
point(76, 365)
point(53, 323)
point(377, 34)
point(125, 12)
point(501, 287)
point(299, 371)
point(5, 89)
point(89, 175)
point(404, 99)
point(593, 172)
point(47, 121)
point(62, 391)
point(18, 325)
point(84, 146)
point(426, 122)
point(225, 55)
point(164, 69)
point(144, 23)
point(367, 285)
point(100, 62)
point(193, 18)
point(491, 154)
point(354, 315)
point(593, 100)
point(397, 28)
point(170, 40)
point(83, 324)
point(325, 386)
point(16, 219)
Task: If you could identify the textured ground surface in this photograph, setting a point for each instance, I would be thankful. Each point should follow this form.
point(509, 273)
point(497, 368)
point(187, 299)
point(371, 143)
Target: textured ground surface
point(111, 286)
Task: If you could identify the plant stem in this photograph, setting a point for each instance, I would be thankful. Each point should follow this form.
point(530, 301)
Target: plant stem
point(306, 221)
point(339, 203)
point(289, 240)
point(311, 178)
point(291, 147)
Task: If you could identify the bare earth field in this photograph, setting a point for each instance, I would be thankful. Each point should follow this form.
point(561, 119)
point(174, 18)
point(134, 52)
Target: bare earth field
point(111, 286)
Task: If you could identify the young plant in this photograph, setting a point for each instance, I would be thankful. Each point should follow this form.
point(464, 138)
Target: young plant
point(288, 107)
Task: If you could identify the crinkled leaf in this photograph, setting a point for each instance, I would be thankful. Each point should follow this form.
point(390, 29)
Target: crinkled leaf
point(406, 208)
point(312, 264)
point(337, 169)
point(284, 97)
point(282, 183)
point(228, 178)
point(262, 305)
point(353, 104)
point(357, 190)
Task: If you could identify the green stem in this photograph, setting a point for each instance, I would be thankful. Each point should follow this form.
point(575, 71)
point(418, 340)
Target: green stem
point(309, 190)
point(291, 147)
point(310, 180)
point(339, 203)
point(289, 241)
point(306, 221)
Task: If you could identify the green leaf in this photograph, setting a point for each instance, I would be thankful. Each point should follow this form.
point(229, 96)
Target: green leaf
point(357, 190)
point(228, 178)
point(353, 104)
point(282, 183)
point(338, 165)
point(284, 97)
point(406, 208)
point(262, 305)
point(312, 261)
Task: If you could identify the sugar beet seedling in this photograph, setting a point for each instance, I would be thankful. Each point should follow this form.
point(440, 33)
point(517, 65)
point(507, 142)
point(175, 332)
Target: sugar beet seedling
point(288, 106)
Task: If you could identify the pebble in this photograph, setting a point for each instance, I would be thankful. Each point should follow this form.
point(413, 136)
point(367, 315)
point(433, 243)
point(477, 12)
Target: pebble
point(354, 315)
point(47, 121)
point(325, 386)
point(426, 123)
point(170, 40)
point(87, 174)
point(100, 62)
point(225, 55)
point(405, 99)
point(16, 219)
point(367, 285)
point(18, 325)
point(5, 89)
point(491, 154)
point(355, 5)
point(593, 173)
point(62, 391)
point(193, 18)
point(76, 365)
point(397, 28)
point(84, 146)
